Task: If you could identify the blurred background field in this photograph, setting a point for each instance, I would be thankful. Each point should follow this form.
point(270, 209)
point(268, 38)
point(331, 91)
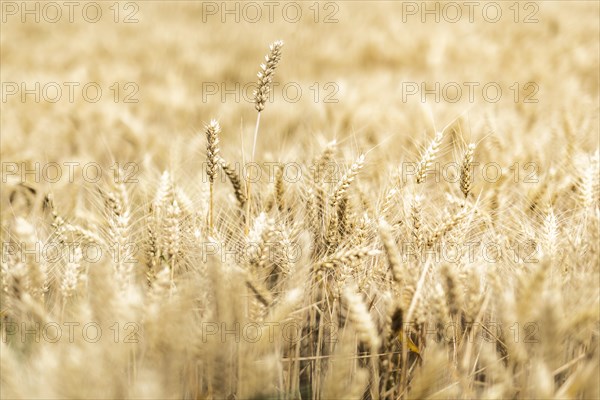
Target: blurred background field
point(177, 51)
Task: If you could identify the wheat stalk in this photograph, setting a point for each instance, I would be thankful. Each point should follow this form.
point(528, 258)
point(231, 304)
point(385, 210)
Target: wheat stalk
point(454, 296)
point(415, 215)
point(428, 156)
point(261, 95)
point(213, 129)
point(339, 200)
point(466, 173)
point(346, 180)
point(361, 319)
point(325, 159)
point(236, 182)
point(391, 251)
point(72, 276)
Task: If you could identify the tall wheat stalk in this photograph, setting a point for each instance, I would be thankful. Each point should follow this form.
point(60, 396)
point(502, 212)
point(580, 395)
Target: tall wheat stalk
point(261, 95)
point(213, 129)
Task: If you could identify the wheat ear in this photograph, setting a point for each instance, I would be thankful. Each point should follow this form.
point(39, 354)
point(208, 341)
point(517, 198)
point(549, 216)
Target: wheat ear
point(391, 250)
point(446, 227)
point(212, 152)
point(279, 188)
point(265, 75)
point(454, 295)
point(415, 215)
point(323, 161)
point(72, 277)
point(359, 315)
point(236, 182)
point(428, 157)
point(466, 175)
point(339, 196)
point(347, 179)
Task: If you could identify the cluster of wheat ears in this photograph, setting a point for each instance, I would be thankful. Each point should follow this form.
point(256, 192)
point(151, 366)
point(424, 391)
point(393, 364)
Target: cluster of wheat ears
point(316, 288)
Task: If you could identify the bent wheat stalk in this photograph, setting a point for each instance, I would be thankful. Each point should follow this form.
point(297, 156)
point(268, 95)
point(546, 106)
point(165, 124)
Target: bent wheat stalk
point(236, 182)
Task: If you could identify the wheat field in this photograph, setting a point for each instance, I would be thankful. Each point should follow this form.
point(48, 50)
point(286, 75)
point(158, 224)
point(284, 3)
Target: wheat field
point(300, 200)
